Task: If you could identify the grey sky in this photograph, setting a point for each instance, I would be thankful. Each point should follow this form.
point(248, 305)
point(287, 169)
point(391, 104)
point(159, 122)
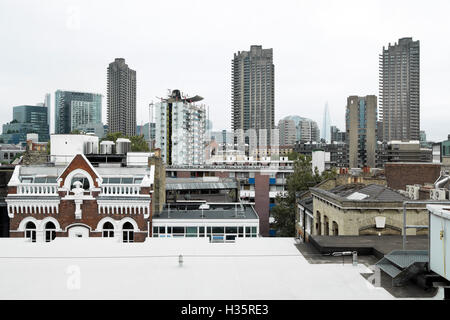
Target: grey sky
point(323, 51)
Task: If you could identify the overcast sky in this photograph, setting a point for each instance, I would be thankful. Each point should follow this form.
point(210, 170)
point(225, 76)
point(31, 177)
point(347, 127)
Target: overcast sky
point(323, 51)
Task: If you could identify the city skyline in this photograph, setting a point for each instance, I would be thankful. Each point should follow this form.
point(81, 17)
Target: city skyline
point(304, 77)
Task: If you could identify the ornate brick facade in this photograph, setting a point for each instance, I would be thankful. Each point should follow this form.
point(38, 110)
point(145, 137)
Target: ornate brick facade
point(62, 206)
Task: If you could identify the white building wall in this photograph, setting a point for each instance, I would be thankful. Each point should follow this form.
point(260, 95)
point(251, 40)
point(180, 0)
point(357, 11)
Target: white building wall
point(63, 147)
point(188, 132)
point(319, 159)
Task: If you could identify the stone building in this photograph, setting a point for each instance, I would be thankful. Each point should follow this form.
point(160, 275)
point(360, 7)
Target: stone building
point(79, 199)
point(358, 209)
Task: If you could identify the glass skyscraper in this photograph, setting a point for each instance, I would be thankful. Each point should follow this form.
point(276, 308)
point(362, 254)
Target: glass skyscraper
point(27, 119)
point(76, 110)
point(326, 129)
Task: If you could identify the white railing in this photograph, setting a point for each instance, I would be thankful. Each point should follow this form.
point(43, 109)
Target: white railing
point(120, 189)
point(37, 189)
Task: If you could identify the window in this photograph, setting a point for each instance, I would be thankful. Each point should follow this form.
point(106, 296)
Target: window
point(178, 231)
point(50, 231)
point(191, 231)
point(128, 232)
point(108, 230)
point(218, 230)
point(30, 231)
point(84, 181)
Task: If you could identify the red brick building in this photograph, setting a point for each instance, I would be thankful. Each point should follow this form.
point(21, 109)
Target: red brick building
point(399, 175)
point(80, 200)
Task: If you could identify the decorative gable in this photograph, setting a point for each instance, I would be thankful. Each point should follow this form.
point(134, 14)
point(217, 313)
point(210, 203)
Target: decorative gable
point(79, 165)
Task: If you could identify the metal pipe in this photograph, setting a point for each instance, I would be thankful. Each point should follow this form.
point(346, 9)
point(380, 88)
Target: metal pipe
point(438, 183)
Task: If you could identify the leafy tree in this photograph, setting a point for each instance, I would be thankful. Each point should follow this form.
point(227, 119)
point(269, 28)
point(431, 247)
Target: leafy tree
point(300, 180)
point(293, 155)
point(112, 136)
point(138, 144)
point(76, 131)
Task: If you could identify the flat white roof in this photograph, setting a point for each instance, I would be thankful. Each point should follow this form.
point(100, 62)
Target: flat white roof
point(442, 211)
point(254, 268)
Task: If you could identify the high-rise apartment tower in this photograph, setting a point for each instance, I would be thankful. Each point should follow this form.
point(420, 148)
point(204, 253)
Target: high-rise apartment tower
point(361, 121)
point(121, 98)
point(252, 100)
point(400, 90)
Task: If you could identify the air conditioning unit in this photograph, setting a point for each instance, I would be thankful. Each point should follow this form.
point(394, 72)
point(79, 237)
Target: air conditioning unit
point(438, 194)
point(413, 191)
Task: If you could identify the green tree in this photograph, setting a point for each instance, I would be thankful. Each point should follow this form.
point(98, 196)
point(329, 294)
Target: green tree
point(300, 180)
point(112, 136)
point(76, 131)
point(293, 155)
point(138, 144)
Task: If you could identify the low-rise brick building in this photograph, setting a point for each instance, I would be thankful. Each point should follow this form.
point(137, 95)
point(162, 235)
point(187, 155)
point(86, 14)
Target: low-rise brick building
point(80, 200)
point(400, 174)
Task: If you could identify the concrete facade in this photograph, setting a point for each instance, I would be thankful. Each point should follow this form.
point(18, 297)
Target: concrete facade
point(400, 90)
point(253, 90)
point(287, 131)
point(361, 121)
point(121, 98)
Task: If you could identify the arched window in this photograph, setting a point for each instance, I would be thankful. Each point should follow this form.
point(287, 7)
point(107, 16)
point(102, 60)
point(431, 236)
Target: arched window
point(108, 230)
point(50, 231)
point(30, 231)
point(128, 232)
point(84, 181)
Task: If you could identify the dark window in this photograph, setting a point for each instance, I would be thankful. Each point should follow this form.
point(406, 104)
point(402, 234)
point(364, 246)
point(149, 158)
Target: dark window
point(128, 232)
point(231, 230)
point(50, 231)
point(108, 230)
point(30, 231)
point(218, 229)
point(178, 230)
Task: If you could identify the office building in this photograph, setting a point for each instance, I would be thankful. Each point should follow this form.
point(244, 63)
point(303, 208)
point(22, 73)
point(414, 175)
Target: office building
point(400, 90)
point(307, 130)
point(121, 98)
point(76, 111)
point(26, 119)
point(361, 119)
point(337, 135)
point(288, 132)
point(252, 100)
